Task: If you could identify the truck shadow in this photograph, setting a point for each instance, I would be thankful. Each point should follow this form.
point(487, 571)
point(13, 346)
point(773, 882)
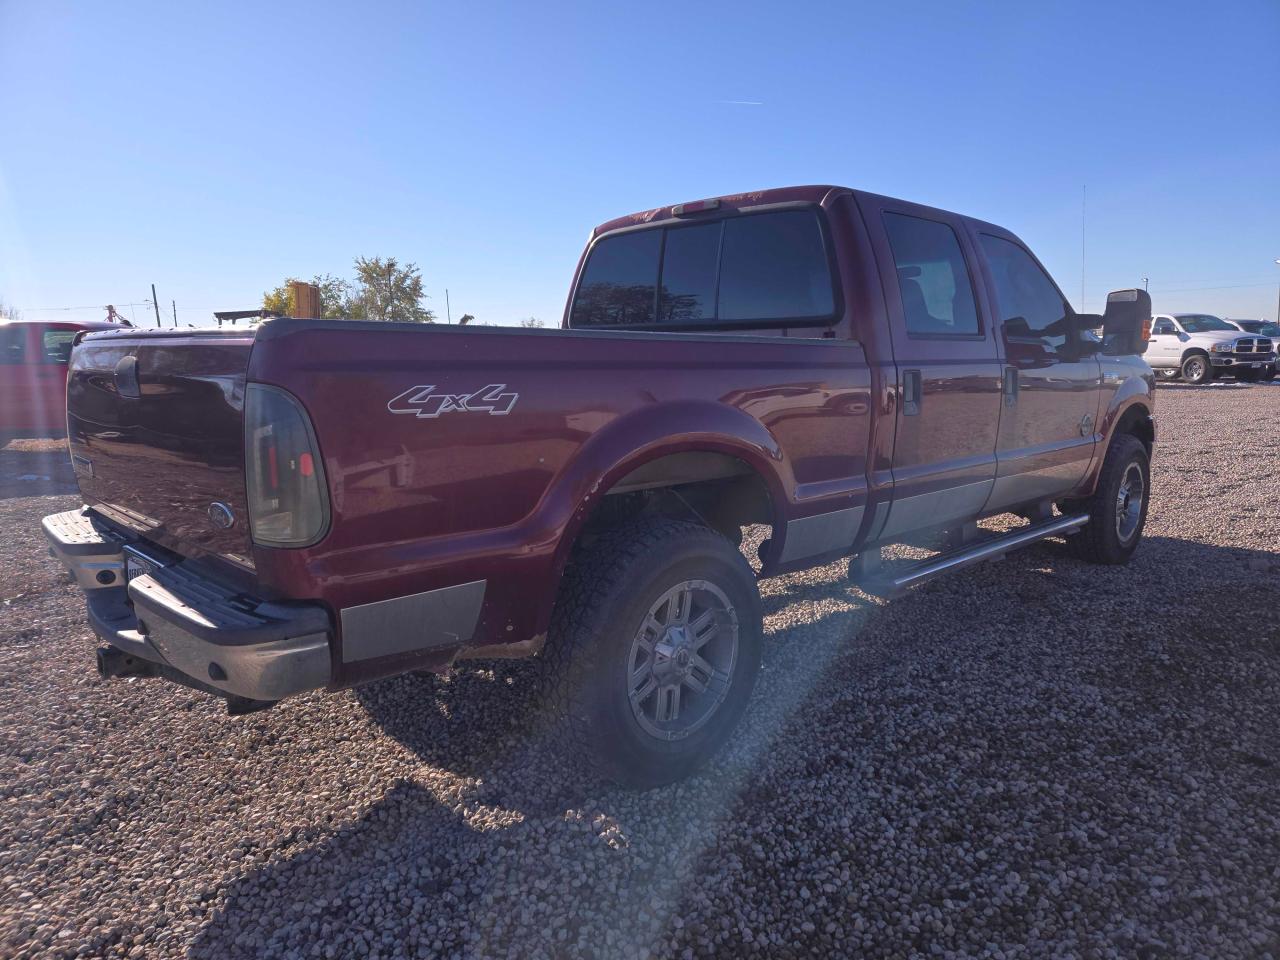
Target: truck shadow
point(845, 723)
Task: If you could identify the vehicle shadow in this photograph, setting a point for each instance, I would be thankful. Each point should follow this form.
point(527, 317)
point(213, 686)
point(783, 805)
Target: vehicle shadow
point(844, 725)
point(35, 468)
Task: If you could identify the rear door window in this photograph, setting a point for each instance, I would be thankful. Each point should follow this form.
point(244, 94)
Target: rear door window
point(760, 269)
point(937, 293)
point(57, 345)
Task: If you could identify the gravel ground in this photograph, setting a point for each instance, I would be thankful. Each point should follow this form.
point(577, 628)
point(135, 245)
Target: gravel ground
point(1032, 758)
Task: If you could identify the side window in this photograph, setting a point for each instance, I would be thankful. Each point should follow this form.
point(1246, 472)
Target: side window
point(1163, 327)
point(775, 267)
point(1027, 302)
point(57, 345)
point(13, 344)
point(617, 286)
point(937, 294)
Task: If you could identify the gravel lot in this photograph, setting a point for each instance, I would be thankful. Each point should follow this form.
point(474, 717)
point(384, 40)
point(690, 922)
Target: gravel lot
point(1032, 758)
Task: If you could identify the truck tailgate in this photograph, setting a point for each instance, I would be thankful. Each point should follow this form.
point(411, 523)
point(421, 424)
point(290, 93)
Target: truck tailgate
point(155, 423)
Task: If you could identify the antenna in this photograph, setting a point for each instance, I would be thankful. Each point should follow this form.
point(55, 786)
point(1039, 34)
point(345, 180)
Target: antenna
point(1084, 198)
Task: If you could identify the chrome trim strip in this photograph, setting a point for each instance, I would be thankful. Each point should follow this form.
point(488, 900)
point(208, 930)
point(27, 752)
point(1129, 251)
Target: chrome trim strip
point(445, 617)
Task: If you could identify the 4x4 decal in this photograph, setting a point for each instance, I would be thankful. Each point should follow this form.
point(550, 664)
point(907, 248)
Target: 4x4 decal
point(422, 402)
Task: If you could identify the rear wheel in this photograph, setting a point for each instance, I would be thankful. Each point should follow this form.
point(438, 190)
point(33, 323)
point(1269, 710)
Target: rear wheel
point(654, 650)
point(1118, 508)
point(1197, 369)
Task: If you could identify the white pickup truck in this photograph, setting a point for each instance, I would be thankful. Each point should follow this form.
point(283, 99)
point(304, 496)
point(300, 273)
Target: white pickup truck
point(1198, 347)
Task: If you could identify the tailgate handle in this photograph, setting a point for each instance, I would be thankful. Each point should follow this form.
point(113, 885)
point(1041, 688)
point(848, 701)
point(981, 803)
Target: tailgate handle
point(127, 377)
point(912, 392)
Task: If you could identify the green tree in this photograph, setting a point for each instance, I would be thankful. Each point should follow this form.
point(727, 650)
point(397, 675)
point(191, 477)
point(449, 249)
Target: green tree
point(531, 323)
point(389, 291)
point(8, 312)
point(466, 318)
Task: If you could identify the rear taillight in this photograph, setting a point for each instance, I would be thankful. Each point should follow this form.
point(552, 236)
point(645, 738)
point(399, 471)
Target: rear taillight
point(288, 502)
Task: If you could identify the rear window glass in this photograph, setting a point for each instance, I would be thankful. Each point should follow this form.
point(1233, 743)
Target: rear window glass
point(618, 284)
point(57, 345)
point(937, 294)
point(775, 267)
point(750, 270)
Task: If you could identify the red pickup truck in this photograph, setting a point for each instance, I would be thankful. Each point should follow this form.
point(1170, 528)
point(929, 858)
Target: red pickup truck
point(33, 375)
point(320, 503)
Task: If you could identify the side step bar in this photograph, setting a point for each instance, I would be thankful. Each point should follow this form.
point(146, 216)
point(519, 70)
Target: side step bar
point(890, 585)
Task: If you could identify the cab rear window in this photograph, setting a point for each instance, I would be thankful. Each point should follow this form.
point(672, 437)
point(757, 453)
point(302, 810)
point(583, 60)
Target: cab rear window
point(762, 269)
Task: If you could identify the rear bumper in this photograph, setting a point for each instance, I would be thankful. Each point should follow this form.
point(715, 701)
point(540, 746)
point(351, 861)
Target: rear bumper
point(192, 627)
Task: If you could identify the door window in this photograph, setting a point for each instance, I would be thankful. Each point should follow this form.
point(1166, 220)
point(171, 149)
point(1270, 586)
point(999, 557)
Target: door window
point(1027, 301)
point(937, 294)
point(1163, 328)
point(13, 344)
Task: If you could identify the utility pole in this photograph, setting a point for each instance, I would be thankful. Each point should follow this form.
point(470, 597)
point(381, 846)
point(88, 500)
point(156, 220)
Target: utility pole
point(155, 303)
point(1084, 196)
point(1144, 284)
point(1278, 298)
point(175, 312)
point(448, 314)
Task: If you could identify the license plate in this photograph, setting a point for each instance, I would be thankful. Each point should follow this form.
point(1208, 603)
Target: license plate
point(136, 566)
point(1255, 365)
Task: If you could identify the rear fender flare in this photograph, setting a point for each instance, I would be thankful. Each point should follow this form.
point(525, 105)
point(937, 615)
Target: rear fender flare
point(645, 435)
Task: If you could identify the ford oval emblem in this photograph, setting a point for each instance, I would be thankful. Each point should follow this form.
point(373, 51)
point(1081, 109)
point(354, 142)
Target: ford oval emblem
point(220, 516)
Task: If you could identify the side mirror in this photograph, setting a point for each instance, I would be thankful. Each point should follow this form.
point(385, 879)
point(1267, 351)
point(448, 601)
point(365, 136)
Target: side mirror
point(1126, 324)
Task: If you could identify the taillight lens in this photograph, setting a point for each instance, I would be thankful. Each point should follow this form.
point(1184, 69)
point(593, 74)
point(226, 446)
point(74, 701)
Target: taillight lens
point(288, 503)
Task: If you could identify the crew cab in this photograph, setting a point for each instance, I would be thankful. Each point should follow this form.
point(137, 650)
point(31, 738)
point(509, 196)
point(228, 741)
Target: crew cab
point(322, 503)
point(33, 375)
point(1199, 346)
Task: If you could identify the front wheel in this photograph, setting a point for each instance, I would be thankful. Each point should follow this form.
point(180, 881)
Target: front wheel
point(1197, 369)
point(1118, 508)
point(654, 649)
point(1249, 376)
point(1269, 374)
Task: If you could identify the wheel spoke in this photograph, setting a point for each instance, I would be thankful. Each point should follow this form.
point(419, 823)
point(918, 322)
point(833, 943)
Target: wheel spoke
point(667, 707)
point(683, 603)
point(704, 676)
point(640, 674)
point(643, 694)
point(699, 632)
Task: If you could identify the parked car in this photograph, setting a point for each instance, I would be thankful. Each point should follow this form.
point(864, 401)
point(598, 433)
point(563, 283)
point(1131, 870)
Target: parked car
point(1263, 328)
point(1198, 347)
point(33, 375)
point(320, 503)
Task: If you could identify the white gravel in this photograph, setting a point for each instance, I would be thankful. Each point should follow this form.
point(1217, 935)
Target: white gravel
point(1032, 758)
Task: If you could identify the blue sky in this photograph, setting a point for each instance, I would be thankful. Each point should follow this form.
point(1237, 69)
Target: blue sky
point(215, 149)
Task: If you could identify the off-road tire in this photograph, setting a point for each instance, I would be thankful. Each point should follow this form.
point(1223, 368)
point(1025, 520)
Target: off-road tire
point(1197, 369)
point(1268, 375)
point(605, 598)
point(1099, 541)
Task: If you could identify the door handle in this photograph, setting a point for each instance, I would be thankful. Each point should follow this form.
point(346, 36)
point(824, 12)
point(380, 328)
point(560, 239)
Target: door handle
point(1010, 386)
point(912, 392)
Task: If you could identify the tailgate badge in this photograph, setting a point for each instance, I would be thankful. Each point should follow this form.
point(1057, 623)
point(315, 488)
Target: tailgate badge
point(220, 515)
point(422, 402)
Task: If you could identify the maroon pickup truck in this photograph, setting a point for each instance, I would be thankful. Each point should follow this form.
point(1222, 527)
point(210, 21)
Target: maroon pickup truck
point(317, 504)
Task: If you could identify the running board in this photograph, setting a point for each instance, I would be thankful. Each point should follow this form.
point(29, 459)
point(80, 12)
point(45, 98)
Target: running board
point(991, 549)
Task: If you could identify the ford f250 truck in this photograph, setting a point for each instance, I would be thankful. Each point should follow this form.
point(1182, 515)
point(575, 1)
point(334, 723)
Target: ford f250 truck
point(321, 503)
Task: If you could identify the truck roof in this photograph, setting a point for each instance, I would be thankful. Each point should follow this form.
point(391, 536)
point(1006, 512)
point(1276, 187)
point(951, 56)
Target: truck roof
point(812, 193)
point(82, 324)
point(809, 193)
